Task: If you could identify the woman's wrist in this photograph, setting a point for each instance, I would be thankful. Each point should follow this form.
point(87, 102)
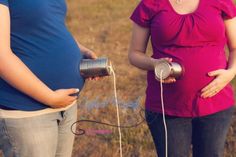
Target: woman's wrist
point(50, 98)
point(153, 62)
point(232, 71)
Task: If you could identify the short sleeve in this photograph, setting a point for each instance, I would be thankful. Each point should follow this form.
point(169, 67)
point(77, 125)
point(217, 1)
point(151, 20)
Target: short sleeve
point(144, 12)
point(4, 2)
point(228, 9)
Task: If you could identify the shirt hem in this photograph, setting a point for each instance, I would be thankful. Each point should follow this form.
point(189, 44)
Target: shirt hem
point(16, 114)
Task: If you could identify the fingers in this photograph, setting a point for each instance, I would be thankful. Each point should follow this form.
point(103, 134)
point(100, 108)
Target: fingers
point(91, 55)
point(72, 91)
point(72, 98)
point(164, 59)
point(210, 92)
point(94, 56)
point(94, 78)
point(215, 73)
point(213, 88)
point(63, 97)
point(168, 59)
point(169, 80)
point(209, 87)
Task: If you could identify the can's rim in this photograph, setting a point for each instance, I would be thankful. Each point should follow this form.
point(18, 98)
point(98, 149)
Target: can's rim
point(166, 67)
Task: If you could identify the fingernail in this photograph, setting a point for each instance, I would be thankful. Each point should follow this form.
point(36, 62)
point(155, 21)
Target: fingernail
point(77, 90)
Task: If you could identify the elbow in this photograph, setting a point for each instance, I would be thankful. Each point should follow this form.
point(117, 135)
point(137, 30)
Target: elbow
point(130, 58)
point(5, 54)
point(232, 49)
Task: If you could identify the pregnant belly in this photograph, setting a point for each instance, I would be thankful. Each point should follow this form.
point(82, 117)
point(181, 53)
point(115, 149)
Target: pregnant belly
point(60, 70)
point(197, 63)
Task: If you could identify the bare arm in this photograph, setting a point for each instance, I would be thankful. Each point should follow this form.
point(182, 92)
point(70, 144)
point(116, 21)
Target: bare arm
point(16, 73)
point(137, 52)
point(138, 46)
point(87, 52)
point(231, 35)
point(224, 76)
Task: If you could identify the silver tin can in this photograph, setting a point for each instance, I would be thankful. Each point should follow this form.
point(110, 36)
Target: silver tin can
point(170, 69)
point(95, 67)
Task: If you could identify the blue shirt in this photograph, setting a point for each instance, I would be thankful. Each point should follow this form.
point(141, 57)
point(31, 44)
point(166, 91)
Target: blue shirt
point(40, 38)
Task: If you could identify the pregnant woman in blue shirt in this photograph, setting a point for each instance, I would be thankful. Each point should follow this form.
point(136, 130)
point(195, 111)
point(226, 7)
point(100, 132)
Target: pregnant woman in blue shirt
point(39, 78)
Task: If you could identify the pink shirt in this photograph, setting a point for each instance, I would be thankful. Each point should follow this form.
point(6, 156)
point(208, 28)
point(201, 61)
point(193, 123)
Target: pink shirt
point(195, 40)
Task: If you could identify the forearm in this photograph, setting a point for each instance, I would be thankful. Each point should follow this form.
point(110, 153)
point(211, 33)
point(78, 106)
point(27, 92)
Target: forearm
point(141, 60)
point(16, 73)
point(232, 61)
point(138, 45)
point(231, 38)
point(86, 52)
point(83, 49)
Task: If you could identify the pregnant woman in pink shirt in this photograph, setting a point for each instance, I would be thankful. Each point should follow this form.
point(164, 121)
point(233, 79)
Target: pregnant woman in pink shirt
point(199, 105)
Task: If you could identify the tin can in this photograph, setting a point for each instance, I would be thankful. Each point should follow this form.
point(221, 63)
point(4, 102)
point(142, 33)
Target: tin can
point(169, 69)
point(95, 67)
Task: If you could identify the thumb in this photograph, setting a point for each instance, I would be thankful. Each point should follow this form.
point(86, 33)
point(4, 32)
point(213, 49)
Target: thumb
point(90, 54)
point(214, 73)
point(93, 56)
point(168, 59)
point(72, 91)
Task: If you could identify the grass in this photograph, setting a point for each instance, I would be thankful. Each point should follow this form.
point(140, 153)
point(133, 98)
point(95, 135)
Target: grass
point(104, 26)
point(106, 29)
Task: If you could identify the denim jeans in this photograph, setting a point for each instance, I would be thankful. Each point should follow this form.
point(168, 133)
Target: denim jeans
point(206, 134)
point(47, 135)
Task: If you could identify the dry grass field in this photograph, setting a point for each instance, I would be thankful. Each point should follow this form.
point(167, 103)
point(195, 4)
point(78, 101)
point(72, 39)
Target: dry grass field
point(104, 26)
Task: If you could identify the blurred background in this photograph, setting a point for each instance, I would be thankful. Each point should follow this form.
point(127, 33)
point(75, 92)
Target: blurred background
point(104, 26)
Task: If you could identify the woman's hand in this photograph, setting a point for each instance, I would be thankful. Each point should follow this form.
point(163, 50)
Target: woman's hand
point(156, 61)
point(222, 78)
point(63, 97)
point(89, 54)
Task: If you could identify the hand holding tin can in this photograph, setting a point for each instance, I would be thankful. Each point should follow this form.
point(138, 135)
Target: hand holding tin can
point(168, 69)
point(90, 68)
